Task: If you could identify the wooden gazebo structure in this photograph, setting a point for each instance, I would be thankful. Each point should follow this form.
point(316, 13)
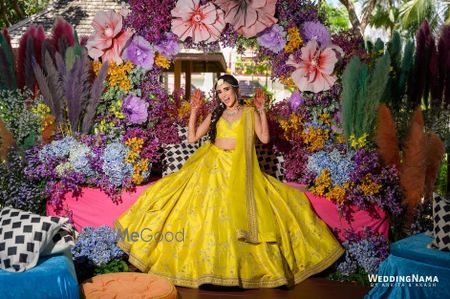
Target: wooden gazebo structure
point(190, 63)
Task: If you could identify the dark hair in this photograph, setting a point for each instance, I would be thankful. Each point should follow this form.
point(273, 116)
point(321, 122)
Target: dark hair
point(218, 111)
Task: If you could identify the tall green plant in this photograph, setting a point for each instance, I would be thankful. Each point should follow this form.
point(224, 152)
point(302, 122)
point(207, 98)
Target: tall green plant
point(363, 88)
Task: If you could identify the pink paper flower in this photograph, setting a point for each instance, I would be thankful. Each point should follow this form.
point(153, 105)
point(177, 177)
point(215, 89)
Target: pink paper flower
point(314, 71)
point(249, 17)
point(202, 23)
point(109, 39)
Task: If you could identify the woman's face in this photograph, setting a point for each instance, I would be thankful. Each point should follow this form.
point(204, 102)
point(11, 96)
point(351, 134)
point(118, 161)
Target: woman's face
point(226, 94)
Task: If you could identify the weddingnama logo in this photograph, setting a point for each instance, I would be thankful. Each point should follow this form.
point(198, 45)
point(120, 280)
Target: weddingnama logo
point(147, 235)
point(413, 280)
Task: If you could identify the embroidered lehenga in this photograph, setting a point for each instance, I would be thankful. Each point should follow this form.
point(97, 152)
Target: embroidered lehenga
point(239, 226)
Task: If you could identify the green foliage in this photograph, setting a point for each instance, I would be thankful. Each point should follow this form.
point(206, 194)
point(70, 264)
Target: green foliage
point(20, 120)
point(363, 88)
point(337, 17)
point(11, 15)
point(441, 183)
point(112, 267)
point(10, 68)
point(376, 87)
point(349, 93)
point(359, 276)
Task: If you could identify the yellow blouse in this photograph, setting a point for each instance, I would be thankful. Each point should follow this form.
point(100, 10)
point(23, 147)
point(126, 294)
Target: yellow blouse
point(226, 129)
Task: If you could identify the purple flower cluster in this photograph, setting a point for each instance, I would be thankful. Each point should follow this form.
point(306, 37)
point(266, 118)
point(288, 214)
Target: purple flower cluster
point(295, 163)
point(16, 190)
point(150, 19)
point(389, 195)
point(273, 38)
point(364, 250)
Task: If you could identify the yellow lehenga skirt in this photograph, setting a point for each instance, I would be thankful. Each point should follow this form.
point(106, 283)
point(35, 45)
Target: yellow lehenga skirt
point(183, 230)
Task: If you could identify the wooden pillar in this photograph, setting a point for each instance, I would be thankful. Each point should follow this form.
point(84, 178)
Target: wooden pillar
point(188, 81)
point(177, 73)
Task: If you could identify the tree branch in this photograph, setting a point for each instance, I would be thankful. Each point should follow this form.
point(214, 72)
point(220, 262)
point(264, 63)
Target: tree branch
point(356, 24)
point(367, 14)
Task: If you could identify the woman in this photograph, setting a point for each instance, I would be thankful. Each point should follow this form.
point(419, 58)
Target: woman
point(219, 219)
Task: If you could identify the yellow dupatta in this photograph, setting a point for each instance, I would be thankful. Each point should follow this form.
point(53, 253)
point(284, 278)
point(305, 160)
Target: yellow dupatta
point(247, 184)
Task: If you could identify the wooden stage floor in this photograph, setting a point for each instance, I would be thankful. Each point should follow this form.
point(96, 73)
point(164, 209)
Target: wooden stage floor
point(312, 288)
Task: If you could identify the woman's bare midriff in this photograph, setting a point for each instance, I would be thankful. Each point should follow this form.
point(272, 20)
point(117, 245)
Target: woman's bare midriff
point(226, 143)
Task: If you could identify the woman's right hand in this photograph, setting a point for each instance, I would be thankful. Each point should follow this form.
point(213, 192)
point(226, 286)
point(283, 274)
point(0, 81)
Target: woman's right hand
point(196, 100)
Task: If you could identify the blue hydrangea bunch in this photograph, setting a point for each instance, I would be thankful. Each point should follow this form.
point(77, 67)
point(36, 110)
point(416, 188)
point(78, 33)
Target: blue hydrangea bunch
point(98, 245)
point(58, 149)
point(339, 164)
point(114, 164)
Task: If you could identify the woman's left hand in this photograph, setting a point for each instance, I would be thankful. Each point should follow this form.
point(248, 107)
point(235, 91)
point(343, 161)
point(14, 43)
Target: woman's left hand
point(260, 99)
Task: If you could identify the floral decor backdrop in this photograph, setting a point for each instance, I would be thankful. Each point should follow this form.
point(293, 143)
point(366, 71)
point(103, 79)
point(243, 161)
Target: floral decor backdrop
point(92, 111)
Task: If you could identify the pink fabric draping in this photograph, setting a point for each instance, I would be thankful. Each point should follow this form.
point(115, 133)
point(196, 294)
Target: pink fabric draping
point(95, 208)
point(328, 212)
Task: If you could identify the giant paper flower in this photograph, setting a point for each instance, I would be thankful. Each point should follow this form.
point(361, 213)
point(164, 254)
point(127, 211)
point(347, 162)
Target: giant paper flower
point(109, 39)
point(135, 109)
point(202, 23)
point(140, 53)
point(273, 38)
point(314, 71)
point(249, 17)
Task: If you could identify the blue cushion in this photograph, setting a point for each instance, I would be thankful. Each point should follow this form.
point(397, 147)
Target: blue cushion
point(53, 277)
point(395, 266)
point(415, 248)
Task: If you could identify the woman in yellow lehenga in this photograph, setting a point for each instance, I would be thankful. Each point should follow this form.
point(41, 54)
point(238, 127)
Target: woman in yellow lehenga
point(220, 220)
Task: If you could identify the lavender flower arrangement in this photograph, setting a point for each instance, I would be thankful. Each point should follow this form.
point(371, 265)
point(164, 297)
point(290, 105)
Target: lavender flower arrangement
point(364, 253)
point(140, 52)
point(316, 30)
point(98, 245)
point(16, 190)
point(273, 38)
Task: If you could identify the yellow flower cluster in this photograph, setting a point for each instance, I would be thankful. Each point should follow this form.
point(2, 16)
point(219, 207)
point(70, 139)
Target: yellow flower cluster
point(117, 74)
point(138, 169)
point(322, 183)
point(368, 186)
point(162, 61)
point(184, 109)
point(340, 138)
point(323, 187)
point(294, 40)
point(337, 194)
point(325, 118)
point(292, 127)
point(135, 144)
point(315, 138)
point(288, 82)
point(116, 109)
point(104, 126)
point(360, 142)
point(41, 109)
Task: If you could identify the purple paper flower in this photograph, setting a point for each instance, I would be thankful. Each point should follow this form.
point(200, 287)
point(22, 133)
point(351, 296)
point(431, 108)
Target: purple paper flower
point(317, 31)
point(135, 109)
point(273, 38)
point(168, 46)
point(296, 100)
point(140, 52)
